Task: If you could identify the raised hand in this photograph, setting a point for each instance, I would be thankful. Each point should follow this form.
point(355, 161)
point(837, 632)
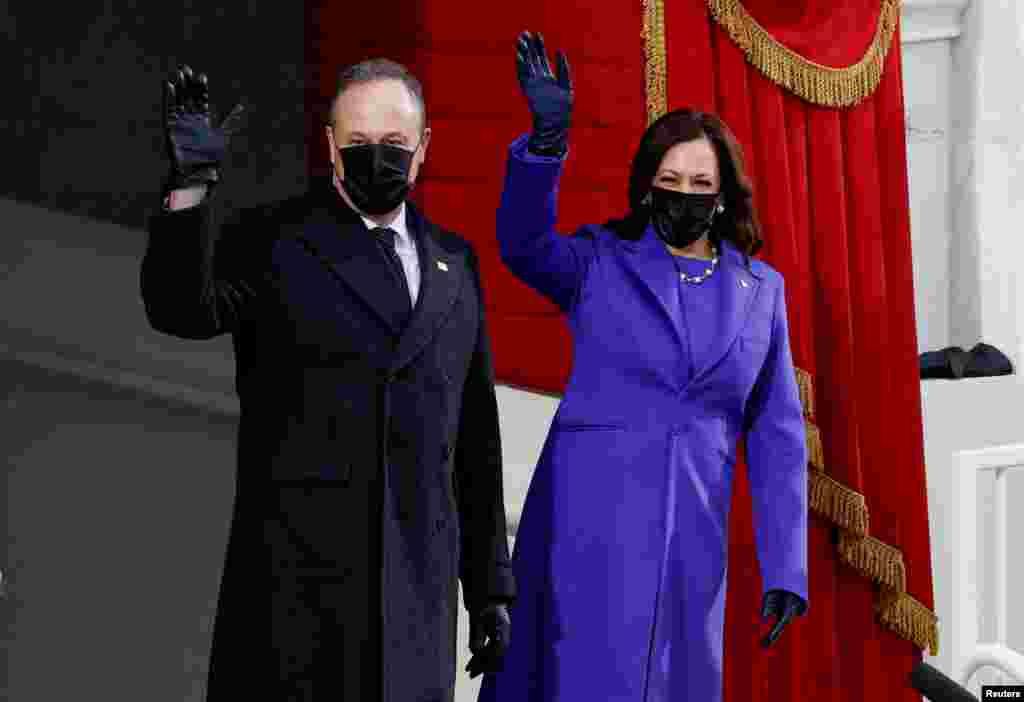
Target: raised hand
point(195, 146)
point(550, 98)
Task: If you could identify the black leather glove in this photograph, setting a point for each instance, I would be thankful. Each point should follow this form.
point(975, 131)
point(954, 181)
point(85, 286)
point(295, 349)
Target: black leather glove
point(784, 605)
point(195, 147)
point(494, 624)
point(550, 99)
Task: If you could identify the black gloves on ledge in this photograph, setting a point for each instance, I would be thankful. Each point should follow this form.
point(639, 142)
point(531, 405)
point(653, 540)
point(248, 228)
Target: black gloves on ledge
point(953, 363)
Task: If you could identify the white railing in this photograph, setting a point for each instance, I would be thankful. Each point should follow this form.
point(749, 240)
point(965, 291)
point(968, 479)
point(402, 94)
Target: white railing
point(968, 653)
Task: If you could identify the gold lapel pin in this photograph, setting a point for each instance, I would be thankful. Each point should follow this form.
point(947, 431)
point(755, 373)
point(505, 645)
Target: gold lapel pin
point(744, 283)
point(442, 265)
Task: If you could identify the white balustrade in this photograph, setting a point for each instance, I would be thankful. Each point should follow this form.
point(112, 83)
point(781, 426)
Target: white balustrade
point(969, 653)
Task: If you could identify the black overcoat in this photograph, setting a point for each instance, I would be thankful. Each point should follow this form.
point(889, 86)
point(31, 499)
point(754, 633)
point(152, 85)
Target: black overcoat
point(369, 459)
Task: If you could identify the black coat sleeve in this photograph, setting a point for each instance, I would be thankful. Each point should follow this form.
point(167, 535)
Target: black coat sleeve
point(485, 568)
point(196, 282)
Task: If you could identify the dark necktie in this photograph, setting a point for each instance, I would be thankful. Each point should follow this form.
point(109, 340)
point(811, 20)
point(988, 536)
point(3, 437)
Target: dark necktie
point(386, 238)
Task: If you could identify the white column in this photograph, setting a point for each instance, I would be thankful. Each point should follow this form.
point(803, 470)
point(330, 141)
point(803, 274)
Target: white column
point(988, 113)
point(927, 30)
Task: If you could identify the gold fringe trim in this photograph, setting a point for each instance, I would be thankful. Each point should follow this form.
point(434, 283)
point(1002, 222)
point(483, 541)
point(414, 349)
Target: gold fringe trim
point(655, 70)
point(837, 503)
point(814, 82)
point(803, 381)
point(906, 616)
point(878, 561)
point(815, 450)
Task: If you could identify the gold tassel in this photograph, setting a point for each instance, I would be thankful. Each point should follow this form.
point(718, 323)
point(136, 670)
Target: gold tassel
point(814, 82)
point(878, 561)
point(803, 381)
point(910, 619)
point(653, 34)
point(815, 451)
point(837, 503)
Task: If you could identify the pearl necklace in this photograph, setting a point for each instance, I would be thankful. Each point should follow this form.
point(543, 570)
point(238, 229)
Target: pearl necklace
point(698, 279)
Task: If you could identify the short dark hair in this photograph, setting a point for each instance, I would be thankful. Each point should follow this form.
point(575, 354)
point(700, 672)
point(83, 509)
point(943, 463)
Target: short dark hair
point(373, 70)
point(738, 223)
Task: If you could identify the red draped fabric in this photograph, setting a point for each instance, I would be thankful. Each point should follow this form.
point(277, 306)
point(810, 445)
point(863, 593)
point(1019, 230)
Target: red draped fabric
point(834, 34)
point(831, 188)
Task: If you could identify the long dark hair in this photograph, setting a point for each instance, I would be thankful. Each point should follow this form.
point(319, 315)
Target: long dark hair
point(738, 223)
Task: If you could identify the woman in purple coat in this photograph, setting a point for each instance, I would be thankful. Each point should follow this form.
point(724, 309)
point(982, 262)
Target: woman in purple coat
point(680, 346)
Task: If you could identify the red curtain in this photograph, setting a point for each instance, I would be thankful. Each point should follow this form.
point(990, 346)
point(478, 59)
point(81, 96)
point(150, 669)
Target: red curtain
point(832, 33)
point(831, 189)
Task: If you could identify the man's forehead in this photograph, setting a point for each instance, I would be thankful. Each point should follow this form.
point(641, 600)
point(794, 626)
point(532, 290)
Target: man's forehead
point(377, 109)
point(374, 132)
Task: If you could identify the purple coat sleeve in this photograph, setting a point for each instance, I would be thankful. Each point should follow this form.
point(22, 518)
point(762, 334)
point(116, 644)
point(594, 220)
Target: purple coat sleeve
point(550, 263)
point(776, 446)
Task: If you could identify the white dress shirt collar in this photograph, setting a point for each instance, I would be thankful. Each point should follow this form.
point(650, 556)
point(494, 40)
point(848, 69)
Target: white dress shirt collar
point(402, 238)
point(405, 247)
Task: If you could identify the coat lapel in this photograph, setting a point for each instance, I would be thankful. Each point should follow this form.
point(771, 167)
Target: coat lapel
point(739, 289)
point(441, 280)
point(654, 271)
point(655, 274)
point(338, 237)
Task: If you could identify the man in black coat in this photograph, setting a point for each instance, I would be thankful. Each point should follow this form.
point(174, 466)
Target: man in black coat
point(369, 461)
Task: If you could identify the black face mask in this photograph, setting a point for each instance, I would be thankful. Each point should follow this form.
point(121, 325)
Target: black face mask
point(376, 176)
point(682, 218)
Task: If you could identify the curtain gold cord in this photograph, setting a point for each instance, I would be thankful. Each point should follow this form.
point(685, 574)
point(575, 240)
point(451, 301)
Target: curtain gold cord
point(653, 34)
point(876, 560)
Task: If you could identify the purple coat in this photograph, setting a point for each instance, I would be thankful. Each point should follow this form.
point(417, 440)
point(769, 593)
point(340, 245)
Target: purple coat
point(620, 556)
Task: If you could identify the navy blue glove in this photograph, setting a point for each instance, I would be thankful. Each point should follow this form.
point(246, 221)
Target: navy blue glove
point(550, 99)
point(195, 146)
point(784, 605)
point(494, 623)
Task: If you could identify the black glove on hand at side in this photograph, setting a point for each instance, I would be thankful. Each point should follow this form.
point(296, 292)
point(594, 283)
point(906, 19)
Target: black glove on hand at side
point(195, 147)
point(784, 605)
point(550, 99)
point(493, 623)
